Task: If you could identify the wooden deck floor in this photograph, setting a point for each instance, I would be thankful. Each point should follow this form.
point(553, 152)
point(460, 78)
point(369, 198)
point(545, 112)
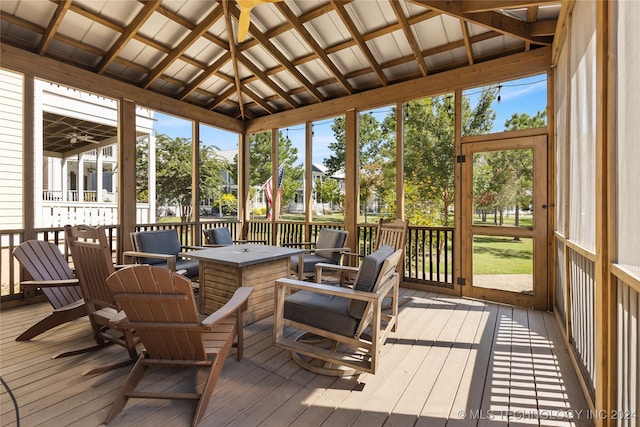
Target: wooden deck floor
point(453, 362)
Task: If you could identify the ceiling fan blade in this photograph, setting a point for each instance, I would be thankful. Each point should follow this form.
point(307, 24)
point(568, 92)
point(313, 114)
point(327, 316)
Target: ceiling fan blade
point(243, 24)
point(245, 15)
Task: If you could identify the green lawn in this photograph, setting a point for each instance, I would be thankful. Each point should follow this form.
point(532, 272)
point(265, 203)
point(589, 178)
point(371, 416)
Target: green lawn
point(502, 255)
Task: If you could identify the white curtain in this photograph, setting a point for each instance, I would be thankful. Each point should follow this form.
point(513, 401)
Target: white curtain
point(561, 137)
point(582, 117)
point(628, 135)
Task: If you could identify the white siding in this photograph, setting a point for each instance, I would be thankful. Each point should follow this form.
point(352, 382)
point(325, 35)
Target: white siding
point(11, 123)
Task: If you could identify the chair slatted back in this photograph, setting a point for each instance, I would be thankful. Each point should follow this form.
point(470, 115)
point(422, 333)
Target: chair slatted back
point(394, 234)
point(44, 261)
point(161, 307)
point(93, 263)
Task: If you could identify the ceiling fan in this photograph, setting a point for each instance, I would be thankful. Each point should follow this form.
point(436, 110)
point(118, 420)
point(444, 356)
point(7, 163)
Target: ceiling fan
point(245, 15)
point(76, 137)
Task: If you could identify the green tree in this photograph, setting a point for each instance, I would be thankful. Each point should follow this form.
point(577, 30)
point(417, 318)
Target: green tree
point(429, 146)
point(260, 164)
point(377, 154)
point(142, 170)
point(328, 191)
point(173, 172)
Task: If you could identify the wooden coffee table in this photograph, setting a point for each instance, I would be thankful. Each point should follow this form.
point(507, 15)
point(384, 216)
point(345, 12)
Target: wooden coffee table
point(224, 269)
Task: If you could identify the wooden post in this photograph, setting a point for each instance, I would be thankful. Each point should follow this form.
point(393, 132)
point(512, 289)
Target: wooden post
point(275, 200)
point(244, 193)
point(28, 162)
point(352, 178)
point(400, 161)
point(127, 175)
point(605, 301)
point(308, 181)
point(196, 232)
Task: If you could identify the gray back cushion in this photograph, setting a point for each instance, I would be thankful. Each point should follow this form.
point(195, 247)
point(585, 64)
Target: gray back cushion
point(367, 277)
point(220, 236)
point(157, 242)
point(330, 238)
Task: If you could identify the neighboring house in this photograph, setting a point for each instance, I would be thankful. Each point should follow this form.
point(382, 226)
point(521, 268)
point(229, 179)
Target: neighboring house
point(75, 151)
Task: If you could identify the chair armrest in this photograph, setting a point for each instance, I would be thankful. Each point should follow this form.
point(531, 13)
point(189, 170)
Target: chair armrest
point(298, 244)
point(327, 289)
point(352, 255)
point(264, 242)
point(192, 248)
point(171, 259)
point(323, 266)
point(237, 302)
point(331, 250)
point(29, 284)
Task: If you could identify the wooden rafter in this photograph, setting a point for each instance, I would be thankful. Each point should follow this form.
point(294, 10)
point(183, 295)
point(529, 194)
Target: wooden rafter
point(406, 28)
point(267, 80)
point(465, 38)
point(473, 6)
point(532, 15)
point(212, 69)
point(275, 52)
point(355, 34)
point(258, 100)
point(493, 20)
point(191, 37)
point(129, 32)
point(52, 28)
point(315, 47)
point(234, 58)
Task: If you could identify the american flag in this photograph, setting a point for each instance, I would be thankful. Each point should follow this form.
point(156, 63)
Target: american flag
point(268, 190)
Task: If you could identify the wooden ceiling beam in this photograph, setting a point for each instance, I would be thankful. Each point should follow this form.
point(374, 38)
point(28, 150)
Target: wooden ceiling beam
point(73, 76)
point(234, 56)
point(273, 51)
point(258, 100)
point(177, 52)
point(52, 28)
point(492, 20)
point(355, 34)
point(211, 70)
point(129, 32)
point(222, 97)
point(267, 80)
point(406, 28)
point(315, 47)
point(474, 6)
point(467, 43)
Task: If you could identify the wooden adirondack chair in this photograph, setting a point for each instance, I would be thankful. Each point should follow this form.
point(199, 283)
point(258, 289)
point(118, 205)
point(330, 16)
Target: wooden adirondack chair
point(160, 306)
point(93, 263)
point(51, 274)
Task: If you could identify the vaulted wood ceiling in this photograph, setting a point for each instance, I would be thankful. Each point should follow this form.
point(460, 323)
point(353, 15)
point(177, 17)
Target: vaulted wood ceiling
point(297, 53)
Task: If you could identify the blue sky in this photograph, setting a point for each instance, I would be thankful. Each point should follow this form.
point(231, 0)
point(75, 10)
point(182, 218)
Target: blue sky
point(519, 96)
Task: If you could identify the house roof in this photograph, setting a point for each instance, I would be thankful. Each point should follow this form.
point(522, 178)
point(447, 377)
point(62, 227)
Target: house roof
point(297, 53)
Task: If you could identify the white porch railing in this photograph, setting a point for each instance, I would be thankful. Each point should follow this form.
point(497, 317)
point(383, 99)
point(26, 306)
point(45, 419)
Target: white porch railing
point(58, 214)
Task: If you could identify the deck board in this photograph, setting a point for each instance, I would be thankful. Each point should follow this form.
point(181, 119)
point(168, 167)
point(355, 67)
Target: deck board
point(449, 355)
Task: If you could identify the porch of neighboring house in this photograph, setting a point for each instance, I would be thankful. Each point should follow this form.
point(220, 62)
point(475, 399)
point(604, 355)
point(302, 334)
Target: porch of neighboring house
point(452, 362)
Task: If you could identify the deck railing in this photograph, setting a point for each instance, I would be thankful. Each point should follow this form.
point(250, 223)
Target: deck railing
point(428, 254)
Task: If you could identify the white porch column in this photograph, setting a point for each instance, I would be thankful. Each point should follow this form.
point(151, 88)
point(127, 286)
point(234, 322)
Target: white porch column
point(99, 175)
point(64, 172)
point(80, 178)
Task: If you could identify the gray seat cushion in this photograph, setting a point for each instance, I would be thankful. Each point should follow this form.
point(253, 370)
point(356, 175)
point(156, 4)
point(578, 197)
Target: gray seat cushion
point(326, 312)
point(367, 277)
point(190, 265)
point(310, 261)
point(157, 242)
